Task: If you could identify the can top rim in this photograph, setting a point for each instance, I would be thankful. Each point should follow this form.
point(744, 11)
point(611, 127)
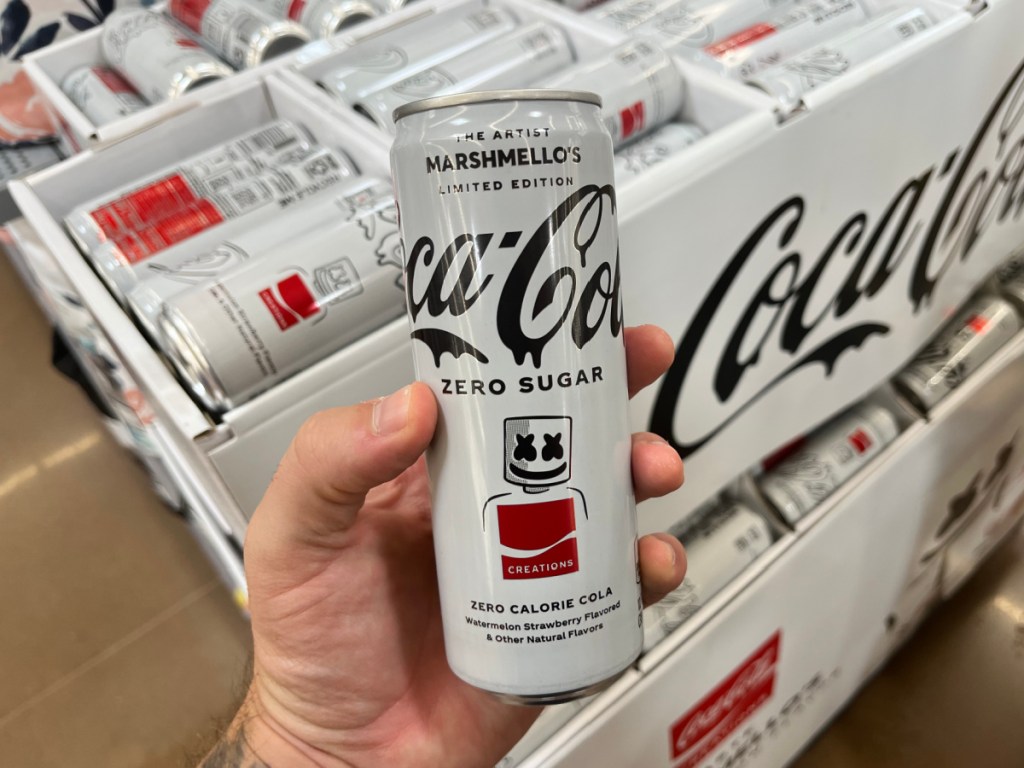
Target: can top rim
point(481, 97)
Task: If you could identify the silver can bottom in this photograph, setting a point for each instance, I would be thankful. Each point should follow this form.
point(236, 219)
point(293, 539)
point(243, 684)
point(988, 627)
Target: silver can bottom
point(560, 697)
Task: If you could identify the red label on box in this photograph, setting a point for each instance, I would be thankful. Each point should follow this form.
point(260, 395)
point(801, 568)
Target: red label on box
point(717, 715)
point(740, 39)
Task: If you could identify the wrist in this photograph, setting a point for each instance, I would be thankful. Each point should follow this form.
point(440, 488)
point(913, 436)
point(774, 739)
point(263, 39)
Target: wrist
point(255, 740)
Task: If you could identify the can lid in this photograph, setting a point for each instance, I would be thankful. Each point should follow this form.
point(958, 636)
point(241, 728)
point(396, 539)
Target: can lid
point(191, 361)
point(481, 97)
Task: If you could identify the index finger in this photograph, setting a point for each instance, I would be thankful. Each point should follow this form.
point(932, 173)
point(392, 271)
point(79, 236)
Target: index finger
point(649, 353)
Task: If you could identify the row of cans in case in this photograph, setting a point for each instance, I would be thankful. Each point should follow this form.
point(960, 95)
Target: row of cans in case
point(469, 48)
point(300, 256)
point(807, 472)
point(151, 57)
point(785, 48)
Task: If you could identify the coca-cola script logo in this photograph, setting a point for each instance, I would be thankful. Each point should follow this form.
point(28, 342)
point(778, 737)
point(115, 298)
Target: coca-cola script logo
point(696, 734)
point(538, 540)
point(533, 306)
point(292, 302)
point(910, 247)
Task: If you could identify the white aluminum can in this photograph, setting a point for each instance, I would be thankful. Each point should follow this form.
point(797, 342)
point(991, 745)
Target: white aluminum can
point(143, 202)
point(175, 271)
point(780, 35)
point(625, 15)
point(102, 94)
point(512, 279)
point(973, 336)
point(656, 147)
point(639, 86)
point(254, 199)
point(156, 56)
point(241, 33)
point(323, 18)
point(829, 457)
point(513, 61)
point(394, 55)
point(273, 316)
point(721, 540)
point(1010, 281)
point(789, 81)
point(686, 26)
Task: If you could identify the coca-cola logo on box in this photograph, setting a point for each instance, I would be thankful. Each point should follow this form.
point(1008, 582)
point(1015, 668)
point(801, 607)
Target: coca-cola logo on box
point(811, 300)
point(724, 709)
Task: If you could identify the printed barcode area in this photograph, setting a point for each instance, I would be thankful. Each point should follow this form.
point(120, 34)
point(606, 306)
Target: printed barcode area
point(245, 198)
point(273, 138)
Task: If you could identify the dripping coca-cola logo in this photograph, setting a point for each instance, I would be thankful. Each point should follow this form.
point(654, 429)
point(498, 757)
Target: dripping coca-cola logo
point(795, 320)
point(540, 297)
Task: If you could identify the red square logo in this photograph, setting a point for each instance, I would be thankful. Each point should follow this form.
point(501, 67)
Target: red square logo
point(293, 303)
point(632, 119)
point(860, 440)
point(538, 540)
point(696, 734)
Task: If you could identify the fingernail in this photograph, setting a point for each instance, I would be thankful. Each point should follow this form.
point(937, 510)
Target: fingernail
point(391, 413)
point(671, 549)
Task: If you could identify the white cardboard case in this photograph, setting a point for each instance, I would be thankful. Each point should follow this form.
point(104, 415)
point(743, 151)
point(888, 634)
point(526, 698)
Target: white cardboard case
point(49, 196)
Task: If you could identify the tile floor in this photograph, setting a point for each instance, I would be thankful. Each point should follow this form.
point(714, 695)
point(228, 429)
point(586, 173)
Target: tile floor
point(119, 648)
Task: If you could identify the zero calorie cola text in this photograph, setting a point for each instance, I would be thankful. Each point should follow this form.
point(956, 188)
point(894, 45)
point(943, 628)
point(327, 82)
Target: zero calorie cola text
point(512, 279)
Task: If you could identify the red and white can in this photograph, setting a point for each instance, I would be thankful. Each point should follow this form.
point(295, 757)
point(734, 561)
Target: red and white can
point(156, 56)
point(323, 18)
point(686, 26)
point(657, 147)
point(721, 541)
point(639, 86)
point(394, 55)
point(241, 33)
point(789, 81)
point(516, 60)
point(828, 458)
point(272, 188)
point(150, 283)
point(973, 336)
point(273, 316)
point(102, 94)
point(782, 34)
point(512, 279)
point(208, 173)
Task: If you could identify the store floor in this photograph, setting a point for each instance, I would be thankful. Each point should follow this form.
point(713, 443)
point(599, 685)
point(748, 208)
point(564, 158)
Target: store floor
point(119, 648)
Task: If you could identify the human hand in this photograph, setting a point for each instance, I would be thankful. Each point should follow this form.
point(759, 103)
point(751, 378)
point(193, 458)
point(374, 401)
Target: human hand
point(349, 666)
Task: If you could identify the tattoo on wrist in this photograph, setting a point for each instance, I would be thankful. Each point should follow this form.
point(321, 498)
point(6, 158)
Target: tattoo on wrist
point(233, 751)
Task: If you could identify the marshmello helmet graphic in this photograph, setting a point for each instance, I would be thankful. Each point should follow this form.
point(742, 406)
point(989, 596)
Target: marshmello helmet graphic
point(538, 451)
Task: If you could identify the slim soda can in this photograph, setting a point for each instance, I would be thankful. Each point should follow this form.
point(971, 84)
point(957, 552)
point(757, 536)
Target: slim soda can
point(830, 457)
point(973, 336)
point(639, 86)
point(625, 15)
point(241, 33)
point(156, 56)
point(1010, 281)
point(656, 147)
point(273, 316)
point(512, 279)
point(274, 187)
point(397, 54)
point(789, 81)
point(102, 94)
point(686, 26)
point(515, 60)
point(720, 541)
point(323, 18)
point(175, 270)
point(207, 173)
point(780, 35)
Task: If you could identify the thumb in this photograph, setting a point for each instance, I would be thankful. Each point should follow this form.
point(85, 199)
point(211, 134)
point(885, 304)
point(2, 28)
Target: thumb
point(336, 458)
